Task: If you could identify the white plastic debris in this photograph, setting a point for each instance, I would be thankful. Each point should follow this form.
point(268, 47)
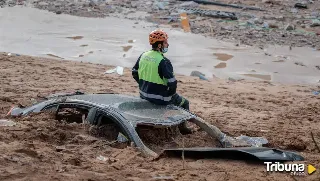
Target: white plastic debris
point(6, 122)
point(121, 138)
point(118, 70)
point(253, 141)
point(102, 158)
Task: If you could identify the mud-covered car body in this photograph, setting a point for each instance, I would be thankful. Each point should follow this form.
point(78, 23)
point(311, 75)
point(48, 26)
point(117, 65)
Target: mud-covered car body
point(128, 112)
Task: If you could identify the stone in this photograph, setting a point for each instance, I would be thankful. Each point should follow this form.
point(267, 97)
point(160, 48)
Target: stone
point(315, 22)
point(290, 27)
point(258, 21)
point(189, 4)
point(43, 4)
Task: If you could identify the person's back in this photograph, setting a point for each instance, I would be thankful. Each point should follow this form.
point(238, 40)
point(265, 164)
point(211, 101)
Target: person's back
point(155, 76)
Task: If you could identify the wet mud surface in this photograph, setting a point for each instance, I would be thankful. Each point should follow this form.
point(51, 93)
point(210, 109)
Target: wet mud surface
point(42, 148)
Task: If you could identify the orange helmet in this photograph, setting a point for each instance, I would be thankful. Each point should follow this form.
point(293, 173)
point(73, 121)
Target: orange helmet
point(157, 35)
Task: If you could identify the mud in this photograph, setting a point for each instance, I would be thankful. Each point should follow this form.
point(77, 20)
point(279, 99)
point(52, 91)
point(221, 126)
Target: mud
point(42, 148)
point(45, 33)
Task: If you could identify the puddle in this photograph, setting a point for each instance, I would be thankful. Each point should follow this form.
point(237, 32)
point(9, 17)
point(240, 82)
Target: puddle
point(126, 48)
point(81, 55)
point(221, 65)
point(55, 56)
point(223, 56)
point(83, 45)
point(278, 61)
point(75, 37)
point(91, 52)
point(253, 71)
point(259, 76)
point(6, 122)
point(257, 63)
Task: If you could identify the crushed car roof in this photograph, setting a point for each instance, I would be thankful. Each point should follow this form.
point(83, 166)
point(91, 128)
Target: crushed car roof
point(134, 109)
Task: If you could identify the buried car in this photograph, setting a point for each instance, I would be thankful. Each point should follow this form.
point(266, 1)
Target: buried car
point(129, 112)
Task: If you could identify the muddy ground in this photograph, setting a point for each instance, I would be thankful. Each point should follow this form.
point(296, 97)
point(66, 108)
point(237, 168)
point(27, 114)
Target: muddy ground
point(41, 148)
point(281, 23)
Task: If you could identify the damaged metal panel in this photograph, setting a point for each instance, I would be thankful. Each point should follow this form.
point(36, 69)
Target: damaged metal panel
point(245, 153)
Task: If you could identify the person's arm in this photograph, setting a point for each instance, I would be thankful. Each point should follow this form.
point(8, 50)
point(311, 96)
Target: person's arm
point(166, 70)
point(134, 70)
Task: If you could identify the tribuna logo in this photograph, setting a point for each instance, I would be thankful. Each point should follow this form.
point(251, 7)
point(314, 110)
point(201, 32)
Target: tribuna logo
point(295, 169)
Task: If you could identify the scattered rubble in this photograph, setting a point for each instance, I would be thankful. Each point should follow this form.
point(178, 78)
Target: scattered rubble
point(238, 24)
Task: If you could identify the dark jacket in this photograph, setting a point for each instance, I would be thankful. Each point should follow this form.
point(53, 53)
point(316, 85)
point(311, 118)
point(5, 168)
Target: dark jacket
point(165, 70)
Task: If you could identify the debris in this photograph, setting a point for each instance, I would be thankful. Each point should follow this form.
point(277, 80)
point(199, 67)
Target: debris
point(294, 10)
point(185, 22)
point(300, 5)
point(210, 13)
point(316, 92)
point(253, 141)
point(190, 4)
point(265, 25)
point(104, 159)
point(257, 21)
point(60, 148)
point(290, 27)
point(198, 74)
point(273, 25)
point(122, 138)
point(315, 22)
point(118, 69)
point(163, 178)
point(228, 5)
point(6, 122)
point(299, 63)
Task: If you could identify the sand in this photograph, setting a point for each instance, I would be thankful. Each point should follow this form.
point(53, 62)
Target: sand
point(41, 148)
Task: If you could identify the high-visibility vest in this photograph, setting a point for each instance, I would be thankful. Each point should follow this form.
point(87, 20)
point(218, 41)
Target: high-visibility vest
point(149, 66)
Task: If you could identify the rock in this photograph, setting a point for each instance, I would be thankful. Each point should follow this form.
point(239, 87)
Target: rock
point(318, 32)
point(290, 27)
point(258, 21)
point(134, 4)
point(294, 10)
point(43, 4)
point(58, 12)
point(228, 28)
point(315, 22)
point(60, 148)
point(267, 1)
point(303, 26)
point(190, 4)
point(300, 5)
point(280, 18)
point(273, 24)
